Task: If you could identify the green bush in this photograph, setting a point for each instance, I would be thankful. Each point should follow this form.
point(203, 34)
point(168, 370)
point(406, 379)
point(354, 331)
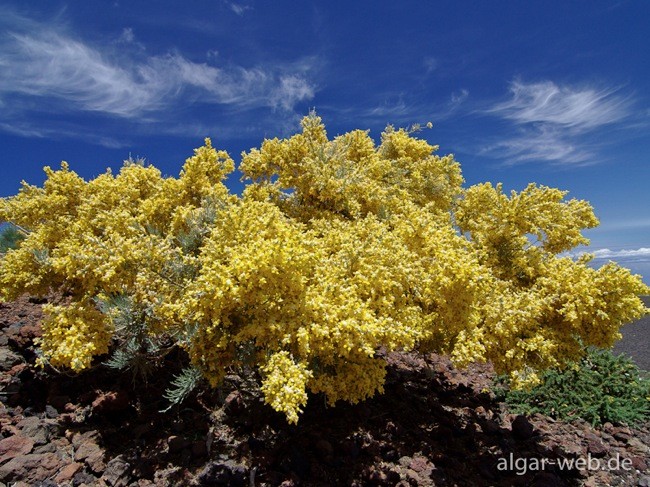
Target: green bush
point(9, 238)
point(599, 388)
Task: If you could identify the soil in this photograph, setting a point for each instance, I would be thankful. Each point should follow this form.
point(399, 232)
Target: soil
point(434, 426)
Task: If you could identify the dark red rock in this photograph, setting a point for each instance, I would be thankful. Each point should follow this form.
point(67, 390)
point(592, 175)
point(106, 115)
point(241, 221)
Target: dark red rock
point(639, 463)
point(637, 446)
point(21, 335)
point(597, 448)
point(88, 451)
point(39, 430)
point(547, 479)
point(31, 467)
point(30, 331)
point(67, 473)
point(177, 443)
point(8, 359)
point(110, 402)
point(13, 446)
point(84, 478)
point(420, 464)
point(117, 473)
point(428, 417)
point(234, 403)
point(522, 429)
point(377, 477)
point(621, 433)
point(223, 473)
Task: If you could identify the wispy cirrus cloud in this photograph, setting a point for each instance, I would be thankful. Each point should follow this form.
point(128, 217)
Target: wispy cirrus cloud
point(392, 107)
point(45, 68)
point(27, 130)
point(402, 109)
point(49, 65)
point(453, 105)
point(238, 7)
point(552, 123)
point(641, 253)
point(573, 108)
point(458, 97)
point(542, 143)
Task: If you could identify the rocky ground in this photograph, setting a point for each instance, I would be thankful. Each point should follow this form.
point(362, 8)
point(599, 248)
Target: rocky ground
point(434, 426)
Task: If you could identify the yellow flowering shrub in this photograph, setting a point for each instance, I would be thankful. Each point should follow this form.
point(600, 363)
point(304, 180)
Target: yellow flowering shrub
point(74, 334)
point(337, 248)
point(284, 384)
point(539, 308)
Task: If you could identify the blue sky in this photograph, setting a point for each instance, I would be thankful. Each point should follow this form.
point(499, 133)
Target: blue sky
point(548, 92)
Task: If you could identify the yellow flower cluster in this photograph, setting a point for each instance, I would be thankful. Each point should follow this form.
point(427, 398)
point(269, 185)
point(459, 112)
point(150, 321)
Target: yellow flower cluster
point(73, 334)
point(109, 236)
point(336, 249)
point(284, 385)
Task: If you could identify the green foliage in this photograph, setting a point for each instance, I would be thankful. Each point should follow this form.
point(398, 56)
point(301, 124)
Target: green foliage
point(183, 385)
point(10, 237)
point(135, 347)
point(602, 387)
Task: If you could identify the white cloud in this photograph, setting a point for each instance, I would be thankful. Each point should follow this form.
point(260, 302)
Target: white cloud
point(239, 8)
point(553, 123)
point(127, 35)
point(640, 254)
point(643, 252)
point(291, 90)
point(43, 62)
point(50, 65)
point(393, 107)
point(458, 97)
point(401, 109)
point(25, 130)
point(563, 106)
point(540, 144)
